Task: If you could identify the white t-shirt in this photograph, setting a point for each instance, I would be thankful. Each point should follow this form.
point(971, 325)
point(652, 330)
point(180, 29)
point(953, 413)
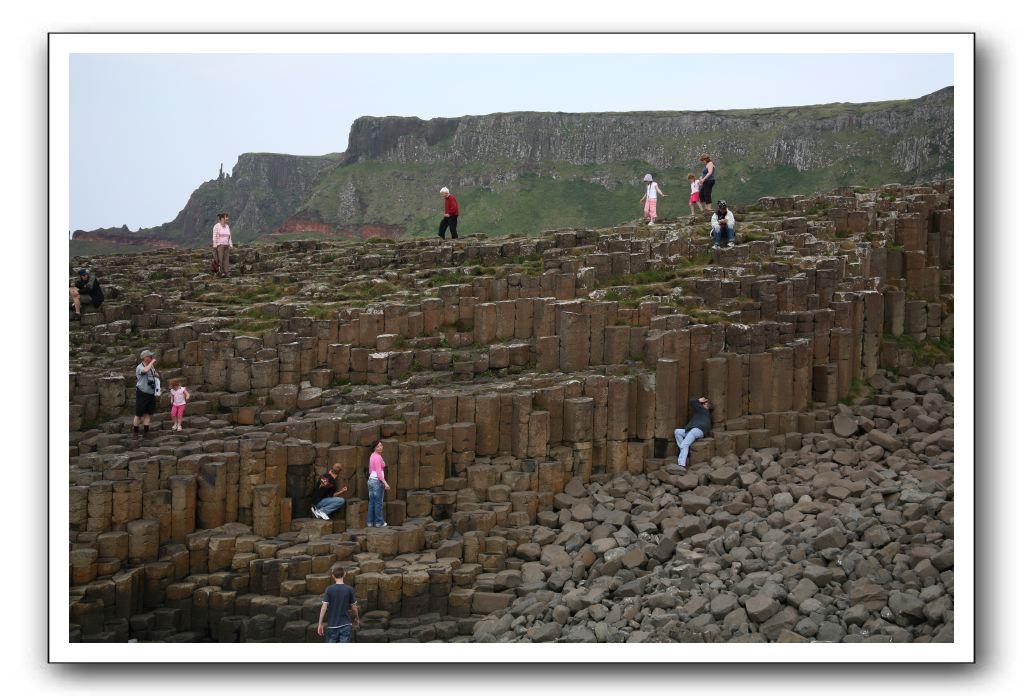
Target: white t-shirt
point(178, 396)
point(694, 187)
point(651, 190)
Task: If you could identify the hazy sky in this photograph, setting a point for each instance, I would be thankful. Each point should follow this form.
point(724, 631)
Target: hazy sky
point(147, 129)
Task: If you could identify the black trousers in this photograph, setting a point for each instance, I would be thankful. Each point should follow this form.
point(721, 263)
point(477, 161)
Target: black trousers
point(705, 192)
point(447, 222)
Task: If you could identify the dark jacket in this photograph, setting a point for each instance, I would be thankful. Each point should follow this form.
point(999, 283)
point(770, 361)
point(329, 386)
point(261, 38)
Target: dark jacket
point(701, 417)
point(91, 288)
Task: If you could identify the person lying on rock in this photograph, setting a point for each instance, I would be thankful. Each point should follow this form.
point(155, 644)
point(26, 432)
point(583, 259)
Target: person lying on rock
point(327, 500)
point(698, 426)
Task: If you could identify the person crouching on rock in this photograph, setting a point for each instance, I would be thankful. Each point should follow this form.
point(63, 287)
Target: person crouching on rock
point(327, 500)
point(722, 218)
point(86, 290)
point(450, 218)
point(698, 426)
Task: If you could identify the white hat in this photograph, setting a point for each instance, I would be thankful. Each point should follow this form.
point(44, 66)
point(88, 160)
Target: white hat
point(648, 178)
point(445, 190)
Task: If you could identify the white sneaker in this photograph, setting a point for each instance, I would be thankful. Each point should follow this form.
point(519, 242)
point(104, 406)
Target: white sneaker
point(319, 513)
point(716, 246)
point(382, 524)
point(731, 244)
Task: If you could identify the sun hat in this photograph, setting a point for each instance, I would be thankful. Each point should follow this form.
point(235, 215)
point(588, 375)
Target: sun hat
point(722, 204)
point(147, 354)
point(445, 190)
point(648, 178)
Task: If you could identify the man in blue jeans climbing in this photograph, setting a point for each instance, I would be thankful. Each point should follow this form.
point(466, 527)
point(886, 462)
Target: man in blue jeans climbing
point(327, 500)
point(698, 426)
point(338, 598)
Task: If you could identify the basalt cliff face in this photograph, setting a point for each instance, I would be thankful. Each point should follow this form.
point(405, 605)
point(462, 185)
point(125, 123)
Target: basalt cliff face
point(529, 171)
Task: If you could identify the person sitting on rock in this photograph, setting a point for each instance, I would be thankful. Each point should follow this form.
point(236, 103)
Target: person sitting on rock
point(723, 216)
point(698, 426)
point(86, 290)
point(327, 500)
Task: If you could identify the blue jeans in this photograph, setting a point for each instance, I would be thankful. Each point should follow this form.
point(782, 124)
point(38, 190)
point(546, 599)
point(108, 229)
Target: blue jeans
point(729, 233)
point(330, 505)
point(341, 634)
point(684, 439)
point(375, 514)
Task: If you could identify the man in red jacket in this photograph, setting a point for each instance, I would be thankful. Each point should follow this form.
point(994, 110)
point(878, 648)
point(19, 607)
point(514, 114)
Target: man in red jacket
point(450, 218)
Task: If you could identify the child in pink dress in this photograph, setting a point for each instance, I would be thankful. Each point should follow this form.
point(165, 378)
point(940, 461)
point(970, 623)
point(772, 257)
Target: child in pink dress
point(694, 194)
point(179, 397)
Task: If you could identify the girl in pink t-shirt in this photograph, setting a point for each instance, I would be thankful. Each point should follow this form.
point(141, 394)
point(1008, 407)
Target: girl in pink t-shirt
point(377, 486)
point(179, 397)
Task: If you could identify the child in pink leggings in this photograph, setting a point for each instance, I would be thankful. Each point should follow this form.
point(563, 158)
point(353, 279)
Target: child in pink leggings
point(179, 397)
point(649, 199)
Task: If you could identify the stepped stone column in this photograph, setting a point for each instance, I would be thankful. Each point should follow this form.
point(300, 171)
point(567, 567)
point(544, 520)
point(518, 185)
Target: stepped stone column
point(597, 312)
point(716, 371)
point(111, 395)
point(212, 490)
point(618, 408)
point(894, 312)
point(488, 424)
point(574, 345)
point(737, 399)
point(157, 505)
point(143, 541)
point(616, 344)
point(802, 374)
point(539, 434)
point(667, 395)
point(523, 318)
point(266, 511)
point(183, 506)
point(781, 392)
point(645, 406)
point(825, 383)
point(578, 423)
point(874, 322)
point(100, 506)
point(596, 387)
point(841, 356)
point(521, 408)
point(699, 351)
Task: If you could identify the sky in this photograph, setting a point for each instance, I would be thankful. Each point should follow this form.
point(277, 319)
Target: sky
point(147, 129)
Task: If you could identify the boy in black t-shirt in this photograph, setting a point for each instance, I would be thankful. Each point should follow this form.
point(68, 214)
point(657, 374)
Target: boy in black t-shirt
point(336, 601)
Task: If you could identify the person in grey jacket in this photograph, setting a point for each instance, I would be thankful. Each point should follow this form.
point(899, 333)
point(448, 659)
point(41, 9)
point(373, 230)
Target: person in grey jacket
point(722, 218)
point(698, 426)
point(146, 386)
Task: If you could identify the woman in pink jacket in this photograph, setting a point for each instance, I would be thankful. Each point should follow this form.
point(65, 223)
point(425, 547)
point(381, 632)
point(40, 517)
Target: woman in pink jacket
point(222, 243)
point(377, 486)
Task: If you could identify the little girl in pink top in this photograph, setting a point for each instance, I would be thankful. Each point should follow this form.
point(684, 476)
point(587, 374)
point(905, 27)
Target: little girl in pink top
point(377, 486)
point(179, 397)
